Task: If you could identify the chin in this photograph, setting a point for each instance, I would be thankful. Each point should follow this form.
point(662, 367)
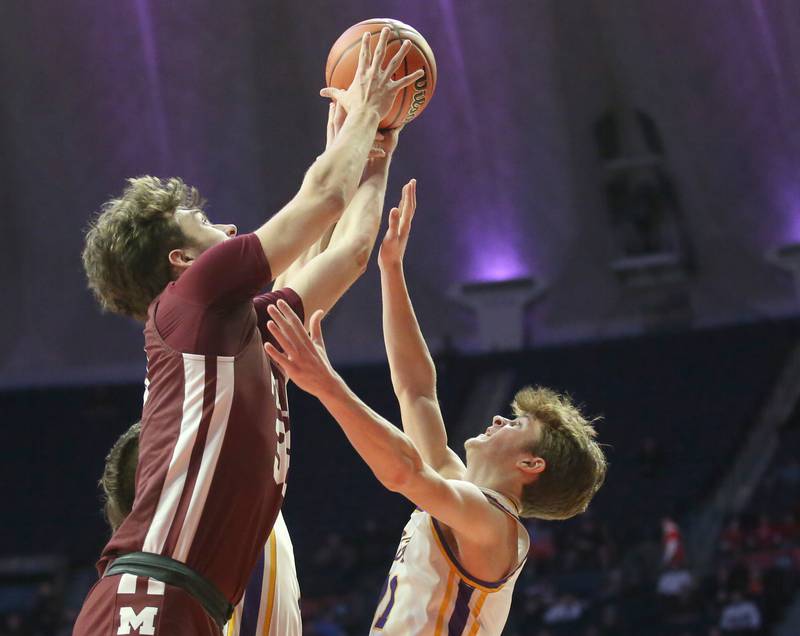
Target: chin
point(478, 439)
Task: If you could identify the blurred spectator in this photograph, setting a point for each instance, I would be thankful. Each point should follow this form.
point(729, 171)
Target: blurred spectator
point(610, 621)
point(788, 529)
point(566, 609)
point(674, 581)
point(740, 616)
point(764, 536)
point(326, 625)
point(732, 539)
point(672, 542)
point(588, 542)
point(543, 546)
point(14, 625)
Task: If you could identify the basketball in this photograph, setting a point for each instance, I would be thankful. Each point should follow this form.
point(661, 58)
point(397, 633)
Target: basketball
point(411, 100)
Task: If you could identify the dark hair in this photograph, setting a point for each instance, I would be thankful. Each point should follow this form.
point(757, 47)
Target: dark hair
point(119, 476)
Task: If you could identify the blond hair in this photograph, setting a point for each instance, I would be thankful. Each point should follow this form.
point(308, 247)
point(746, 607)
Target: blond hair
point(126, 255)
point(575, 464)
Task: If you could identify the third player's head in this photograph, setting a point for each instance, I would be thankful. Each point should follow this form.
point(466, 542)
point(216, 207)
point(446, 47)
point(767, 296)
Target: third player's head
point(119, 476)
point(546, 454)
point(143, 240)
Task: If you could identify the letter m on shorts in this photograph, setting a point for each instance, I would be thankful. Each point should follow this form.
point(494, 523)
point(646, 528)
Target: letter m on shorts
point(142, 623)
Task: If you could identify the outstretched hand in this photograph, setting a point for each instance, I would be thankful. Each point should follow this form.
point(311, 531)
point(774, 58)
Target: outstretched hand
point(304, 359)
point(372, 86)
point(393, 246)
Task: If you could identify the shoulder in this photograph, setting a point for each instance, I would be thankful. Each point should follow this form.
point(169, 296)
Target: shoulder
point(488, 520)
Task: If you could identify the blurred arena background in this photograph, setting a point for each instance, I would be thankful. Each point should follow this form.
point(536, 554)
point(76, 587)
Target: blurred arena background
point(609, 204)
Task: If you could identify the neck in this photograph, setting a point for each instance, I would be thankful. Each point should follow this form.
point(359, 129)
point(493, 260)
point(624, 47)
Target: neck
point(506, 487)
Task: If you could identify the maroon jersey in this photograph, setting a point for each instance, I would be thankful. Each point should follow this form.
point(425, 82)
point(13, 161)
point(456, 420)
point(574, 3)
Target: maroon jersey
point(213, 452)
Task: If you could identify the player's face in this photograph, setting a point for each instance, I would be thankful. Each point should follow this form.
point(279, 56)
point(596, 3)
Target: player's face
point(504, 436)
point(200, 230)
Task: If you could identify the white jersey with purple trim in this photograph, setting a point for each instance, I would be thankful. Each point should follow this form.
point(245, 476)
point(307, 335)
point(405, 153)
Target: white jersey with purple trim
point(428, 592)
point(271, 602)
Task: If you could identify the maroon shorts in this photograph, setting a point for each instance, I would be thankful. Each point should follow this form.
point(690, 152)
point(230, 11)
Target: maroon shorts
point(137, 605)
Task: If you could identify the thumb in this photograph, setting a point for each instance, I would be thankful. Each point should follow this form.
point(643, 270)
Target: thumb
point(331, 93)
point(394, 222)
point(315, 325)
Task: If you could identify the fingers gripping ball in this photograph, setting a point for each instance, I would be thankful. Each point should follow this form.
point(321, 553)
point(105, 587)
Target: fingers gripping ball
point(411, 100)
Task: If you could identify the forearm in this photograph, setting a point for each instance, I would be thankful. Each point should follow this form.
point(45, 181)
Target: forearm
point(338, 170)
point(388, 452)
point(327, 189)
point(414, 375)
point(323, 280)
point(361, 219)
point(412, 369)
point(287, 277)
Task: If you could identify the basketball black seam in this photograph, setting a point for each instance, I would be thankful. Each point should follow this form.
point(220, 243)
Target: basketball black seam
point(405, 88)
point(356, 43)
point(405, 72)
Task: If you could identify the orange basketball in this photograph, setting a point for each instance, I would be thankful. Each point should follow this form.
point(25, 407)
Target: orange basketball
point(411, 100)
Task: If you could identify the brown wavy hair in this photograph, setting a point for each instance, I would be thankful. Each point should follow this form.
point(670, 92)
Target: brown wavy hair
point(126, 254)
point(575, 464)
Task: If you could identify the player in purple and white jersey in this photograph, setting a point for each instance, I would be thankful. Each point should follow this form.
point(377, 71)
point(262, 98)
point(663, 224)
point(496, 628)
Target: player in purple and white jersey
point(464, 546)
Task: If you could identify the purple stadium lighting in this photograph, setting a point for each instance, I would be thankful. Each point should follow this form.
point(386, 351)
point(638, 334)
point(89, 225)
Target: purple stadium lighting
point(496, 265)
point(147, 32)
point(791, 224)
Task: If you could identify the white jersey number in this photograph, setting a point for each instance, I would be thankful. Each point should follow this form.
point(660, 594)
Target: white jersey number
point(281, 466)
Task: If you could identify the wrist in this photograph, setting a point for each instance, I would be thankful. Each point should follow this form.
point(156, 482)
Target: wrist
point(365, 113)
point(332, 388)
point(377, 170)
point(392, 267)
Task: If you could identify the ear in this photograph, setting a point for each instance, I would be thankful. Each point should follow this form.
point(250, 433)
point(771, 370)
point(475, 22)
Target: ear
point(180, 259)
point(531, 466)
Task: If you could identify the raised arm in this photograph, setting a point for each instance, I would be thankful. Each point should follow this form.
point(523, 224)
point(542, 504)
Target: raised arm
point(322, 280)
point(336, 117)
point(390, 453)
point(331, 181)
point(410, 362)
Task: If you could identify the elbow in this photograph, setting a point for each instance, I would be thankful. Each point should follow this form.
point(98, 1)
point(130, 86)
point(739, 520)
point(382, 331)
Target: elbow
point(362, 250)
point(333, 200)
point(396, 480)
point(402, 476)
point(359, 250)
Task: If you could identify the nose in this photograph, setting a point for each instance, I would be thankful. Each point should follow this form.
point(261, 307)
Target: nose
point(497, 420)
point(230, 230)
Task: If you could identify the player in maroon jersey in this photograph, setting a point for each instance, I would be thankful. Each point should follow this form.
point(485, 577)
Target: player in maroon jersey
point(214, 444)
